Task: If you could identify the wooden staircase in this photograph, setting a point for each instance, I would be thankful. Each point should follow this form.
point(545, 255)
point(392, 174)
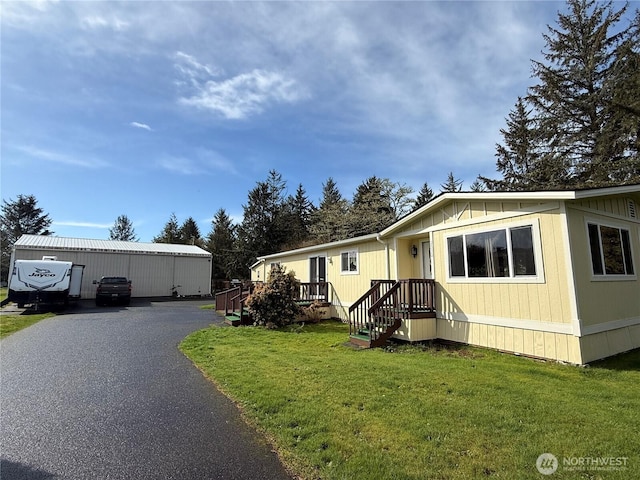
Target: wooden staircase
point(375, 316)
point(231, 304)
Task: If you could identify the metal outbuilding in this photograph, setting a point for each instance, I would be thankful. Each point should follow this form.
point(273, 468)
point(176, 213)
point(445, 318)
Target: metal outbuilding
point(155, 269)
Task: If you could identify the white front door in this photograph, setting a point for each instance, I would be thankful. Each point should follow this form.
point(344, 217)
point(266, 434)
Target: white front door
point(427, 271)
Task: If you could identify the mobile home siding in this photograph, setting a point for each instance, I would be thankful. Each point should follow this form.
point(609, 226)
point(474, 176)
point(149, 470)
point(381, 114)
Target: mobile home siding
point(346, 287)
point(546, 302)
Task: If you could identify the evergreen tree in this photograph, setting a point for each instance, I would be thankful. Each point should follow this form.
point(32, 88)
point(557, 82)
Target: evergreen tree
point(123, 230)
point(425, 195)
point(572, 102)
point(221, 245)
point(189, 233)
point(518, 157)
point(478, 185)
point(451, 185)
point(329, 221)
point(298, 210)
point(622, 132)
point(371, 209)
point(19, 217)
point(263, 229)
point(170, 233)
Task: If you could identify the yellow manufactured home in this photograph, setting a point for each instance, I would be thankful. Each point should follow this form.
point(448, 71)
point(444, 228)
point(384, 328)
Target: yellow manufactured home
point(549, 274)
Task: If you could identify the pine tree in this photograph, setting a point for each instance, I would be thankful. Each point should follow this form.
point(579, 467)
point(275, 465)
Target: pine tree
point(478, 185)
point(263, 229)
point(123, 230)
point(221, 245)
point(189, 233)
point(519, 155)
point(425, 195)
point(298, 210)
point(20, 217)
point(329, 221)
point(622, 131)
point(371, 209)
point(170, 233)
point(451, 185)
point(571, 100)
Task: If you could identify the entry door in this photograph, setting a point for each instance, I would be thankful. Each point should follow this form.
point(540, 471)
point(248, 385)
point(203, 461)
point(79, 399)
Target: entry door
point(317, 274)
point(427, 271)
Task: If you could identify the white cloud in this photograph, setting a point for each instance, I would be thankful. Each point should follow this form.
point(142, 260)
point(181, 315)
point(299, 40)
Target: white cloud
point(93, 22)
point(72, 223)
point(61, 158)
point(237, 97)
point(143, 126)
point(203, 162)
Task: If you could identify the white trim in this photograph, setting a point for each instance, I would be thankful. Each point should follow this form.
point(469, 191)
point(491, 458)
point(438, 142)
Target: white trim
point(619, 225)
point(601, 192)
point(321, 247)
point(608, 326)
point(350, 272)
point(602, 213)
point(522, 324)
point(539, 277)
point(544, 207)
point(571, 274)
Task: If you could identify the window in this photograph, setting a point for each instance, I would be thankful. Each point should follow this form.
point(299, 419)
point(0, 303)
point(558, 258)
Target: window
point(610, 250)
point(349, 262)
point(503, 253)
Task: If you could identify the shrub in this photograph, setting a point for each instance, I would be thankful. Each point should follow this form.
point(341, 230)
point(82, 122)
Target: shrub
point(273, 304)
point(314, 312)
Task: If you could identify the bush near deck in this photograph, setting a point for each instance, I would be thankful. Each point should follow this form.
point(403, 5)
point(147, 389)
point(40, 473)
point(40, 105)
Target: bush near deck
point(416, 412)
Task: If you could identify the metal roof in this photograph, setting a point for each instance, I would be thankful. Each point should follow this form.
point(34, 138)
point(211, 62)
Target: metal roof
point(33, 242)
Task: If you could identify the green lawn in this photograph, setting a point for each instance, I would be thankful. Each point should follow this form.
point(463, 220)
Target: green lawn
point(11, 323)
point(333, 412)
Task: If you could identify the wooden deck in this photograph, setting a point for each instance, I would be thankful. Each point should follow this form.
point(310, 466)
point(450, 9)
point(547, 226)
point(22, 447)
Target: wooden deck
point(231, 303)
point(375, 316)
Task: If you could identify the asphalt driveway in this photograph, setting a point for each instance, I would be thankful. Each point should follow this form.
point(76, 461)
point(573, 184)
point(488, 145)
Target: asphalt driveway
point(106, 394)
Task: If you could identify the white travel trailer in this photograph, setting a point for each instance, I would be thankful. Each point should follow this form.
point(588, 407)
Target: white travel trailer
point(46, 281)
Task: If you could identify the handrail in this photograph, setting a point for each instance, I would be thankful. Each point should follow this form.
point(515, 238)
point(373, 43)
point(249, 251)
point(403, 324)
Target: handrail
point(377, 310)
point(359, 318)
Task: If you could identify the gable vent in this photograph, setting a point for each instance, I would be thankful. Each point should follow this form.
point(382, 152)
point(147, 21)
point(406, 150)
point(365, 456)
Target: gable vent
point(631, 206)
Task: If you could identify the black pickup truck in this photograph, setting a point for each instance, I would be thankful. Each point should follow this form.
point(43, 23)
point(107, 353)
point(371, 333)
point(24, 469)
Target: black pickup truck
point(113, 289)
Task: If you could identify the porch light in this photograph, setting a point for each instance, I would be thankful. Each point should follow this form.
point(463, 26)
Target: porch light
point(414, 251)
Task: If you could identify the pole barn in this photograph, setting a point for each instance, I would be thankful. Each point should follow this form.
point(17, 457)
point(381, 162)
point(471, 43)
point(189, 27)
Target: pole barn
point(155, 269)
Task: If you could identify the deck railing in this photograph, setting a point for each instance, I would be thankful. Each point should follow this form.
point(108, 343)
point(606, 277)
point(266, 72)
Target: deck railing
point(388, 301)
point(359, 310)
point(311, 291)
point(233, 299)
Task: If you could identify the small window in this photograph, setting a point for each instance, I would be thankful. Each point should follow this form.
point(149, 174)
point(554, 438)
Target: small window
point(610, 250)
point(349, 262)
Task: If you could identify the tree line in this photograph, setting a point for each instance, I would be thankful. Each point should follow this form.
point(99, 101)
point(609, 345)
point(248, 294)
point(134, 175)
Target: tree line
point(578, 126)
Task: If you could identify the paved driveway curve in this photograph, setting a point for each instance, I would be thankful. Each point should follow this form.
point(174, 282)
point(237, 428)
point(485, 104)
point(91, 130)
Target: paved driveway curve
point(106, 394)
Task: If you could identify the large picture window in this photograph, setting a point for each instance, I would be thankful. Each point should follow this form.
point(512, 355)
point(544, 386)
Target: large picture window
point(493, 254)
point(610, 250)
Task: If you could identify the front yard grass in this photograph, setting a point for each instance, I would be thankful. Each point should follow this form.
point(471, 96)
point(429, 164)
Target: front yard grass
point(11, 323)
point(422, 412)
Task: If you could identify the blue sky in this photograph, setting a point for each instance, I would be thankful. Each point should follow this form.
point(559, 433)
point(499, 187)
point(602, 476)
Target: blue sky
point(153, 108)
